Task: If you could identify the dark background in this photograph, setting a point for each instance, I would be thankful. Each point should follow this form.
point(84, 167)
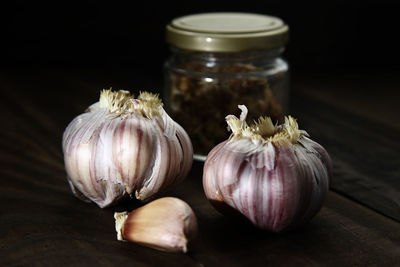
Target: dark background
point(345, 72)
point(126, 39)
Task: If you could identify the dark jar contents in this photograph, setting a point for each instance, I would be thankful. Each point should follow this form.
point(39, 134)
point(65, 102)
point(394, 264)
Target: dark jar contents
point(203, 87)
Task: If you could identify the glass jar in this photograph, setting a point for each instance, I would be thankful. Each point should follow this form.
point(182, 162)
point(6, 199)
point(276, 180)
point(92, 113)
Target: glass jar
point(219, 61)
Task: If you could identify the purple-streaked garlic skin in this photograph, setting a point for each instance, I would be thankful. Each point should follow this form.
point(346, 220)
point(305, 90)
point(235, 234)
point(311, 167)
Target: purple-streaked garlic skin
point(109, 156)
point(277, 185)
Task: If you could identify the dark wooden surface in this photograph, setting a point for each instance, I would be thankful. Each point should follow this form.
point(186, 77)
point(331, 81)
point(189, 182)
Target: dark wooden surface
point(43, 224)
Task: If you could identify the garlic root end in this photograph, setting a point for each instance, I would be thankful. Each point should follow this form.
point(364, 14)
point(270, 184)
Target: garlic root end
point(120, 218)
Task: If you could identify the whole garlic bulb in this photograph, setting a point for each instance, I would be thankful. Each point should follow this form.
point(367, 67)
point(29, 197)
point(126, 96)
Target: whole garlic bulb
point(123, 145)
point(276, 176)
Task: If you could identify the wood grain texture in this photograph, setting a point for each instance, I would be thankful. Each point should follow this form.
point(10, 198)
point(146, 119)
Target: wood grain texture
point(43, 224)
point(364, 152)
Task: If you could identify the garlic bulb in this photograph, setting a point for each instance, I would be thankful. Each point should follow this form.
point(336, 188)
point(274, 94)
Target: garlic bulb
point(165, 224)
point(275, 176)
point(123, 145)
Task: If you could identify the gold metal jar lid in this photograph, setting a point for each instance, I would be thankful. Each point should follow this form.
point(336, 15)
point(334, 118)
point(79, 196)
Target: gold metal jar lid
point(227, 32)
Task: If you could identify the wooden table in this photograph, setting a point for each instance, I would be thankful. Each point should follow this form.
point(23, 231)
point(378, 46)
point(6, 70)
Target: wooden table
point(43, 224)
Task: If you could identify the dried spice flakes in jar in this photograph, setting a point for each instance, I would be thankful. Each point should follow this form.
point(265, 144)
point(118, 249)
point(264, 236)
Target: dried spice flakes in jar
point(219, 61)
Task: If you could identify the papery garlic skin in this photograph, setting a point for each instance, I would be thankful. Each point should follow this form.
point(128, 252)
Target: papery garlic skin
point(276, 176)
point(165, 224)
point(123, 146)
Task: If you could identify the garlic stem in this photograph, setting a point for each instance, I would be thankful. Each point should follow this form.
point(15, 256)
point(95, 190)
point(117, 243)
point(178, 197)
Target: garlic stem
point(263, 130)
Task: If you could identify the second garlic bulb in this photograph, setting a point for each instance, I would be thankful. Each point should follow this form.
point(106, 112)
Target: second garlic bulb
point(124, 146)
point(275, 176)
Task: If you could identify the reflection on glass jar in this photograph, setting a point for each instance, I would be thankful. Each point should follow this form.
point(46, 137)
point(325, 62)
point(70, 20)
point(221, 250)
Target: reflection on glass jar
point(213, 69)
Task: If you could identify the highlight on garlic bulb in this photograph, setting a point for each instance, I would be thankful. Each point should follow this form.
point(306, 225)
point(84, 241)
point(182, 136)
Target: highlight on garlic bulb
point(123, 146)
point(275, 176)
point(165, 224)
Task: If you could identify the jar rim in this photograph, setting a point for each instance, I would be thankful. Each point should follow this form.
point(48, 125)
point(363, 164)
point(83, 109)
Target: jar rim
point(227, 32)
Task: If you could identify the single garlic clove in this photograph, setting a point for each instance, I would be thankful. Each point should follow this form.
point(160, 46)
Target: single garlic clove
point(164, 224)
